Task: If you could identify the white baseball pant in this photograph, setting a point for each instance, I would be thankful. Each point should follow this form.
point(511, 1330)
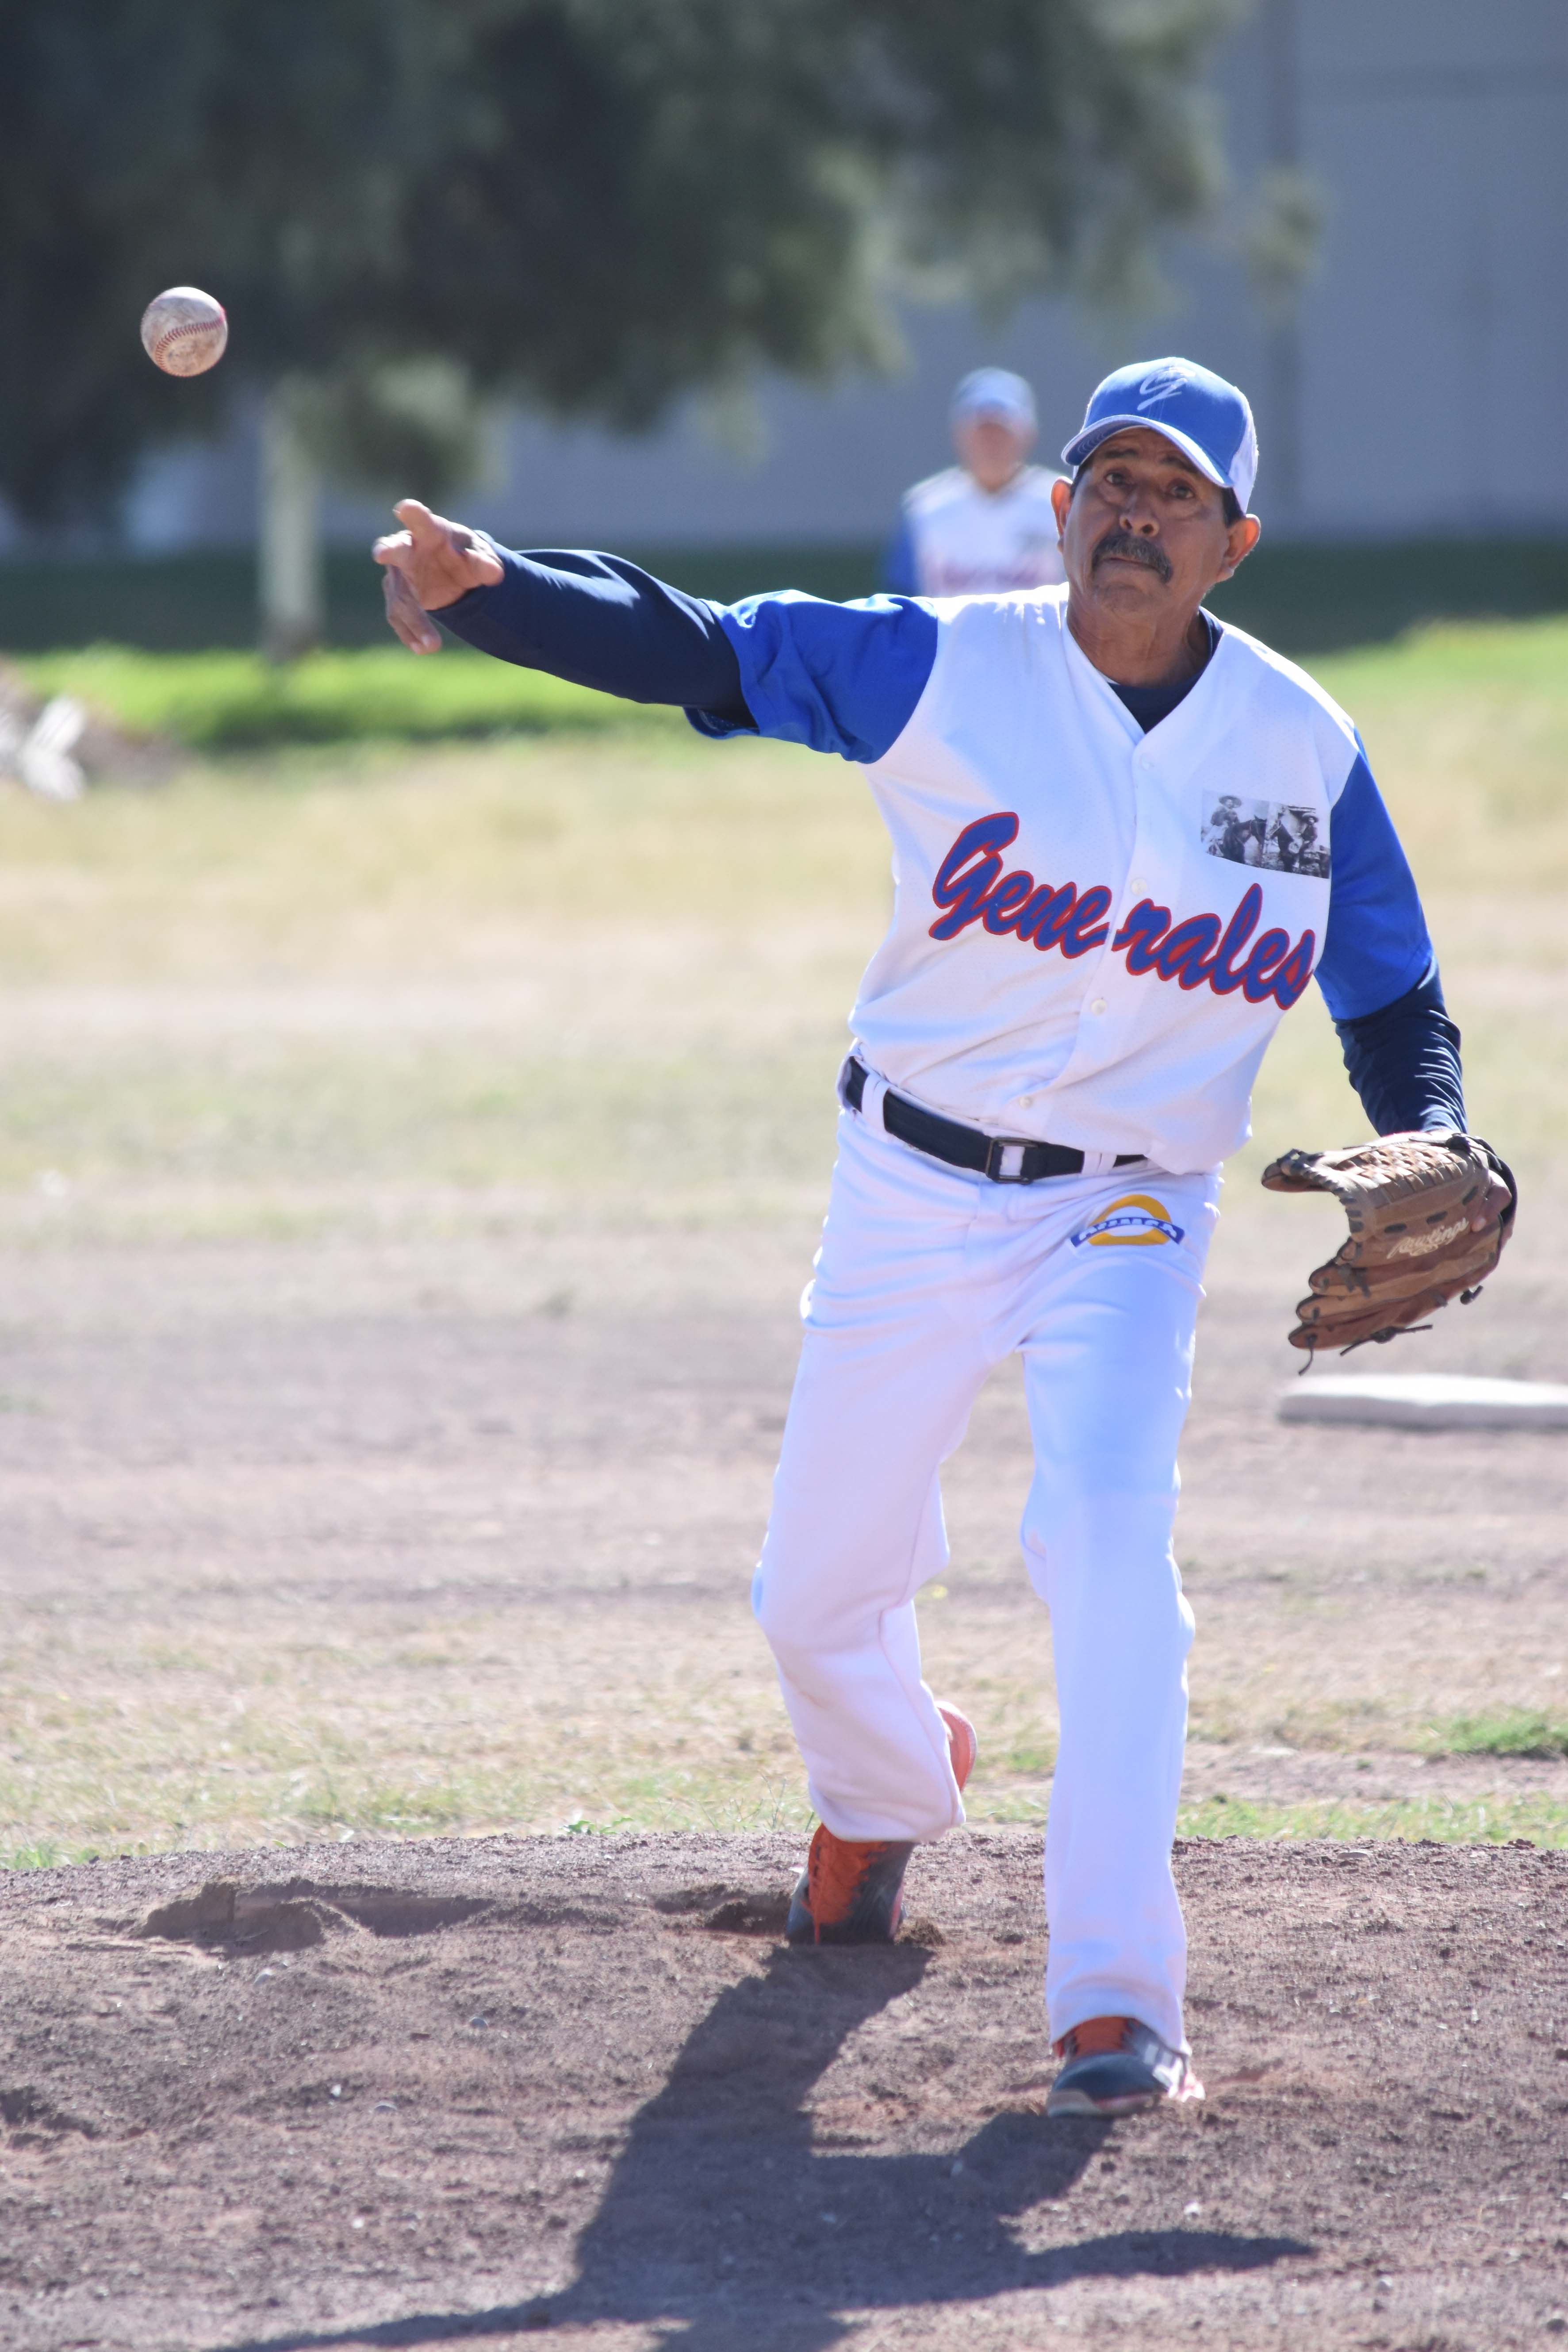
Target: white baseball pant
point(926, 1277)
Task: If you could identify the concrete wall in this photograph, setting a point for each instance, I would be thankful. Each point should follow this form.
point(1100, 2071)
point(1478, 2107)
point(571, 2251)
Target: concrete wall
point(1416, 392)
point(1435, 343)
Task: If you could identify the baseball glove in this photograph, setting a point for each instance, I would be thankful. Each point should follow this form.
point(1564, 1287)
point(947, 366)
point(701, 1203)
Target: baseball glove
point(1428, 1215)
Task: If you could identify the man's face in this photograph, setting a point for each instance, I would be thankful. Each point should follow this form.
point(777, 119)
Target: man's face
point(992, 447)
point(1144, 532)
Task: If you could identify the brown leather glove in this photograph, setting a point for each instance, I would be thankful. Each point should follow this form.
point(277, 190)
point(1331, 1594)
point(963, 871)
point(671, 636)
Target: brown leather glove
point(1428, 1215)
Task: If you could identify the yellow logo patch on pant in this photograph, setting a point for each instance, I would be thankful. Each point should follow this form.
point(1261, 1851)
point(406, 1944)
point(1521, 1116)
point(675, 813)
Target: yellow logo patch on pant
point(1136, 1222)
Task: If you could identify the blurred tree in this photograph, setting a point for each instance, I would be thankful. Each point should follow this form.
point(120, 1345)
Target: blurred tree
point(591, 204)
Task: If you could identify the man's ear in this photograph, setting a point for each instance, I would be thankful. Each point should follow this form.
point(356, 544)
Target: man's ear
point(1239, 541)
point(1061, 499)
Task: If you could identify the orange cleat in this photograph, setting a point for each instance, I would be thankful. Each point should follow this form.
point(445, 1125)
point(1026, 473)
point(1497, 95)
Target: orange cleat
point(1114, 2066)
point(851, 1890)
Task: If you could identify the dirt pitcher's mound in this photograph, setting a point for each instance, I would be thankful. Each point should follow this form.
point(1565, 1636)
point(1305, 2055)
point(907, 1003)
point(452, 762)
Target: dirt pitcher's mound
point(420, 2094)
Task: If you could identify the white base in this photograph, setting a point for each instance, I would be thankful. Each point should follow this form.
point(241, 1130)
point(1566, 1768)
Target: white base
point(1425, 1401)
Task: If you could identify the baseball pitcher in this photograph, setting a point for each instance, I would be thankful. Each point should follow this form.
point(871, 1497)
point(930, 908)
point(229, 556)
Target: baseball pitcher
point(1096, 931)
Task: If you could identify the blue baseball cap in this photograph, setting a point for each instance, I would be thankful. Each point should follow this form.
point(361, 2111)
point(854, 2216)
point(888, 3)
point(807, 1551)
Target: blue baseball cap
point(995, 392)
point(1208, 419)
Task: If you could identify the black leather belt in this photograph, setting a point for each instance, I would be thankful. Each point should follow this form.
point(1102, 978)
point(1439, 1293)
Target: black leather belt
point(1005, 1161)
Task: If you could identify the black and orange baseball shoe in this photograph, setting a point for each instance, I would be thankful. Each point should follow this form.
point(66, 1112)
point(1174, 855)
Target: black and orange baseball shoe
point(1114, 2066)
point(852, 1890)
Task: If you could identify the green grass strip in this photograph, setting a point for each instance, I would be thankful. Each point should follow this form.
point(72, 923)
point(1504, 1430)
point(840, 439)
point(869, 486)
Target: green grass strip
point(1493, 1820)
point(1512, 1731)
point(229, 701)
point(218, 702)
point(1539, 1821)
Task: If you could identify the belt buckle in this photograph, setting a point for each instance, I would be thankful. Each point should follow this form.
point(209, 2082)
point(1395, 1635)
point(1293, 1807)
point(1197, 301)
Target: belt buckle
point(996, 1156)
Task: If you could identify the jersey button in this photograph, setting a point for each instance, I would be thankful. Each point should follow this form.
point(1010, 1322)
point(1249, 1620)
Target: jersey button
point(1139, 886)
point(1025, 1102)
point(1098, 1005)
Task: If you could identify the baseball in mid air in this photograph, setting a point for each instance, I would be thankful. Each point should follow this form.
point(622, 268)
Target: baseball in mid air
point(184, 330)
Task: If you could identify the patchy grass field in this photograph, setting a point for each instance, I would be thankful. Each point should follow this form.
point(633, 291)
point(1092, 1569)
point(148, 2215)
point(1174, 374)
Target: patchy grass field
point(411, 1162)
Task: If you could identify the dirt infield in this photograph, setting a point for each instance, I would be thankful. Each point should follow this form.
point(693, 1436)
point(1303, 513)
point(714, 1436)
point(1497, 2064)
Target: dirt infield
point(424, 2095)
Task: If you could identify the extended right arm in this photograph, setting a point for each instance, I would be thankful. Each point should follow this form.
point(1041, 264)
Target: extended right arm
point(836, 678)
point(600, 622)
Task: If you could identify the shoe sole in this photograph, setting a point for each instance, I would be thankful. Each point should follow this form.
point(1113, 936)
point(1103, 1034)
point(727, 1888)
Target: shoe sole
point(1073, 2101)
point(1079, 2103)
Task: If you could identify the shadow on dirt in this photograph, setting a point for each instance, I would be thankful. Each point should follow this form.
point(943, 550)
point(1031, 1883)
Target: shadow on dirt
point(726, 2220)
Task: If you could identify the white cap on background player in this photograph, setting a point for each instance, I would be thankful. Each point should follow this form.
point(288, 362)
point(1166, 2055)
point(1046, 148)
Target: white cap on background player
point(1208, 419)
point(995, 392)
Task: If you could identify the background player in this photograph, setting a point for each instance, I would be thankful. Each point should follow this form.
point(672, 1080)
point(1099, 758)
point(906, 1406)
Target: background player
point(986, 524)
point(1054, 1050)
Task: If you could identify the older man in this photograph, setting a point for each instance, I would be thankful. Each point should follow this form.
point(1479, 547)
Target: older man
point(986, 524)
point(1054, 1049)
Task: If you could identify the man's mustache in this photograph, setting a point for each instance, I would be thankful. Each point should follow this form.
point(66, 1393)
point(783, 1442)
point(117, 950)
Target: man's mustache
point(1135, 550)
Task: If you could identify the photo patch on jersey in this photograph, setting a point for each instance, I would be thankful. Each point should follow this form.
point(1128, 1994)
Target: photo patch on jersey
point(1136, 1222)
point(1274, 834)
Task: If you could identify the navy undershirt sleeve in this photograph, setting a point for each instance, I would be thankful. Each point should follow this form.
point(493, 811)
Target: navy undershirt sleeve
point(1404, 1061)
point(600, 622)
point(836, 678)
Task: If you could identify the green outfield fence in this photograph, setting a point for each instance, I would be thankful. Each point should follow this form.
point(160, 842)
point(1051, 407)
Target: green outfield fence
point(1302, 598)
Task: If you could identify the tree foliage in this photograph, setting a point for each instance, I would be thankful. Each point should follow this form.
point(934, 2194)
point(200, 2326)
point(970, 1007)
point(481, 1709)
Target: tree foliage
point(591, 204)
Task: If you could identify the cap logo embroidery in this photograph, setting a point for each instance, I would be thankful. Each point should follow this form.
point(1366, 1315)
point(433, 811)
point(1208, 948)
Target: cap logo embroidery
point(1136, 1222)
point(1163, 384)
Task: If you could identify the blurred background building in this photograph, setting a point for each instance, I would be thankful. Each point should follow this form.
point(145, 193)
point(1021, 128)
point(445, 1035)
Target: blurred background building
point(1412, 386)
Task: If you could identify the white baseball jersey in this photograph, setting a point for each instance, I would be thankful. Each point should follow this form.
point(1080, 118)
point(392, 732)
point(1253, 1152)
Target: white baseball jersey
point(957, 539)
point(1095, 930)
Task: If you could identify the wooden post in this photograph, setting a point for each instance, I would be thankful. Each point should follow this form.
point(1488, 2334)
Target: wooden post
point(289, 595)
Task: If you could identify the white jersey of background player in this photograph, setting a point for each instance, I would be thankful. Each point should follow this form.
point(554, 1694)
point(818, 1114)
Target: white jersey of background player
point(985, 525)
point(1125, 838)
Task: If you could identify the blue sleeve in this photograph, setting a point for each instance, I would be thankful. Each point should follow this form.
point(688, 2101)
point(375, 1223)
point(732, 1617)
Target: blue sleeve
point(1375, 943)
point(599, 621)
point(1378, 973)
point(899, 577)
point(836, 678)
point(1404, 1061)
